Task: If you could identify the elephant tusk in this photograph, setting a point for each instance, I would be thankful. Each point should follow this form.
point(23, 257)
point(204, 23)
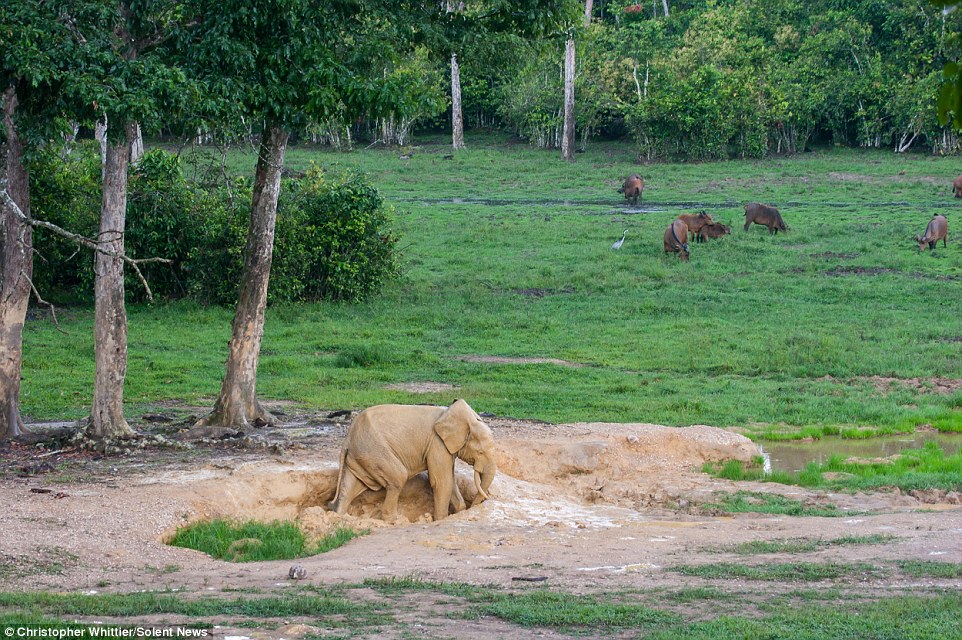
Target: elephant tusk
point(477, 483)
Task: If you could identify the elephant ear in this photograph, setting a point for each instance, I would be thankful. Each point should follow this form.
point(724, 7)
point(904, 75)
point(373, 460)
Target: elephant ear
point(453, 426)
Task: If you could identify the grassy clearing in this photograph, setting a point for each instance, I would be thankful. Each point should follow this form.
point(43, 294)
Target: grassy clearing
point(314, 605)
point(758, 502)
point(806, 614)
point(803, 545)
point(256, 541)
point(925, 468)
point(785, 571)
point(815, 571)
point(755, 331)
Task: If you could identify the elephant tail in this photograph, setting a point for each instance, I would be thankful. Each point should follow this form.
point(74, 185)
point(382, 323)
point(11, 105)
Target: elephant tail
point(340, 481)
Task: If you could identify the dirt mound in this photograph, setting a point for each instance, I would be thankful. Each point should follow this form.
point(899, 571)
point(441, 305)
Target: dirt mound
point(564, 469)
point(630, 465)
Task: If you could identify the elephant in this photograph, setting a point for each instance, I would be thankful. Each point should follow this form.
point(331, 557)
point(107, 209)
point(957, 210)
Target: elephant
point(388, 444)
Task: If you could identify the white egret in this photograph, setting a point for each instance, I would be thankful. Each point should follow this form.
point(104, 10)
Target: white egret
point(618, 244)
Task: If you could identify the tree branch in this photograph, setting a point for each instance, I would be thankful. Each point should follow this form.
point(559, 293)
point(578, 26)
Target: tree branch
point(83, 241)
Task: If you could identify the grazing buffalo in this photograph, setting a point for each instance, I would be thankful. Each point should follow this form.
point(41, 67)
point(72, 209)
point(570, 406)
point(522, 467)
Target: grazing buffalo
point(632, 188)
point(938, 229)
point(695, 222)
point(957, 187)
point(675, 239)
point(714, 230)
point(765, 215)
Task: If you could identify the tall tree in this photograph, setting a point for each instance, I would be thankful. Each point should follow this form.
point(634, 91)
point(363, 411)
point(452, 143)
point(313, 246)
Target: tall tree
point(126, 79)
point(16, 269)
point(457, 114)
point(568, 132)
point(281, 62)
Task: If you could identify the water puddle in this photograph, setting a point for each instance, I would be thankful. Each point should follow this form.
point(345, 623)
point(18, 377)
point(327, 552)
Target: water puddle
point(793, 456)
point(654, 206)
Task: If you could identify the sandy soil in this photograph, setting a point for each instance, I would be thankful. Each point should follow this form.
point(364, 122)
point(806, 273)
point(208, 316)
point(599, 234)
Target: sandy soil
point(590, 507)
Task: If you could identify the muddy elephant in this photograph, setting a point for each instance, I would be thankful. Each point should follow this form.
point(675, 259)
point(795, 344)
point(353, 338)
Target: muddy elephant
point(388, 444)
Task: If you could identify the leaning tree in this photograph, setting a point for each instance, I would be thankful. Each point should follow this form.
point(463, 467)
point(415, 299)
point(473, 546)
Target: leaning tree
point(281, 63)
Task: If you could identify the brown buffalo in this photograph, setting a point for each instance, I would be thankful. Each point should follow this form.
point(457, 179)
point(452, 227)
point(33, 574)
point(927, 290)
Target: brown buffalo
point(766, 215)
point(938, 229)
point(632, 188)
point(957, 187)
point(675, 236)
point(714, 230)
point(695, 222)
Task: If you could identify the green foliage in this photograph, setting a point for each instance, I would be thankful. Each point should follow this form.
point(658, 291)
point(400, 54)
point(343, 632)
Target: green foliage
point(804, 545)
point(758, 502)
point(332, 239)
point(545, 608)
point(332, 235)
point(925, 468)
point(784, 571)
point(255, 541)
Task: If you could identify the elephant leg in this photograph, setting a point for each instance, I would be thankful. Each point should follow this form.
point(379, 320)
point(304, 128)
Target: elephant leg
point(350, 488)
point(389, 509)
point(441, 477)
point(457, 500)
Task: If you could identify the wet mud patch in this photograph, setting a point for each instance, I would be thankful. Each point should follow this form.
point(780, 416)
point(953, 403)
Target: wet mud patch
point(830, 255)
point(518, 360)
point(885, 385)
point(859, 271)
point(537, 292)
point(421, 387)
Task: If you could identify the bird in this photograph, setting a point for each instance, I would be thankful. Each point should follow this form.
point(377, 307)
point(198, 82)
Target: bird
point(617, 245)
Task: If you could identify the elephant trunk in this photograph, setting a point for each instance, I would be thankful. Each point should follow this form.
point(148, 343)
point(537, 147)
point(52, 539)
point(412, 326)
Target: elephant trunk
point(483, 477)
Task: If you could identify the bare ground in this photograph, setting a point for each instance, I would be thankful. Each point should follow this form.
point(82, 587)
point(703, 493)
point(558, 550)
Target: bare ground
point(583, 508)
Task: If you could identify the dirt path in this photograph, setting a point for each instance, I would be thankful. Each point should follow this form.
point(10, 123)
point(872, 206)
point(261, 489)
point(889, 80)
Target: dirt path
point(590, 507)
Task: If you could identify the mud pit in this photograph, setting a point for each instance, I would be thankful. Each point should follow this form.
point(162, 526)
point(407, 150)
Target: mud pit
point(588, 507)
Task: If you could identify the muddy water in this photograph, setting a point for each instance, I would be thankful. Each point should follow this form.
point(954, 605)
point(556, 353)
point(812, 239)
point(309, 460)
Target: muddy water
point(793, 456)
point(652, 206)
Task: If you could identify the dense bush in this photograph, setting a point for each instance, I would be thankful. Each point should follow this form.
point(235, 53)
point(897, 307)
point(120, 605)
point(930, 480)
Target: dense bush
point(332, 239)
point(331, 242)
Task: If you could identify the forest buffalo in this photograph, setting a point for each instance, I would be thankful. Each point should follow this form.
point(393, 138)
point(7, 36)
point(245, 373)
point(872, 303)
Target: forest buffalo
point(765, 215)
point(957, 187)
point(695, 222)
point(675, 239)
point(714, 230)
point(632, 188)
point(938, 229)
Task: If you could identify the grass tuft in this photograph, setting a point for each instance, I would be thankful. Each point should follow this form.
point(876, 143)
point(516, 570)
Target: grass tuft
point(256, 541)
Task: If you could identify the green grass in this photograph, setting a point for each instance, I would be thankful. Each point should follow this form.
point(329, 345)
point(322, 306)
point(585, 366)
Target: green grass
point(815, 571)
point(803, 545)
point(767, 333)
point(759, 502)
point(320, 603)
point(784, 571)
point(256, 541)
point(926, 468)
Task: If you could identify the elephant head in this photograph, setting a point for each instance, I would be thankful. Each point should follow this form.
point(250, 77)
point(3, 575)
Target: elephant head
point(466, 436)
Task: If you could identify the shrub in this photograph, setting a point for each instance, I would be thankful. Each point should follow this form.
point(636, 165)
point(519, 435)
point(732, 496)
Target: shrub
point(332, 240)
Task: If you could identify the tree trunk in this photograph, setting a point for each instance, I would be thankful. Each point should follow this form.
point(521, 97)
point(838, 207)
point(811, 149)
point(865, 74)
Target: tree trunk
point(588, 6)
point(16, 262)
point(568, 136)
point(137, 146)
point(664, 4)
point(237, 406)
point(110, 313)
point(457, 118)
